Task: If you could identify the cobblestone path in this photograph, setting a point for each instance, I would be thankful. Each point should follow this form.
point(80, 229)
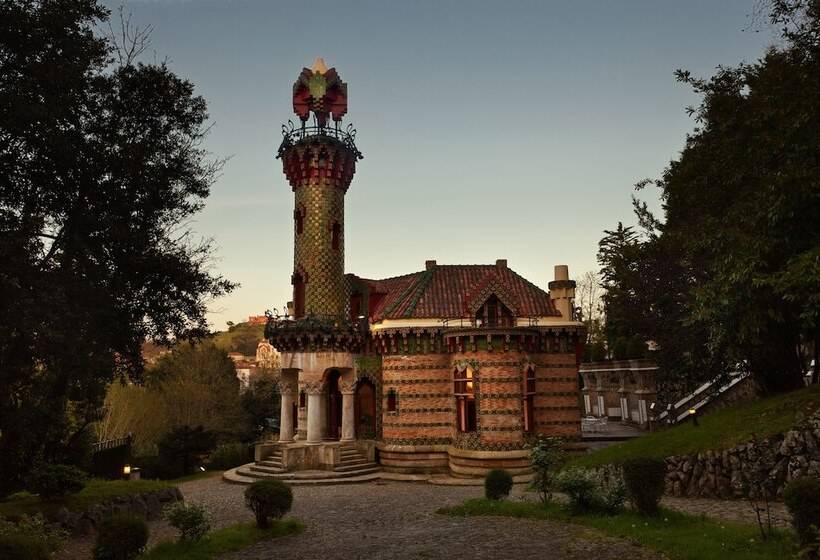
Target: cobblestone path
point(393, 521)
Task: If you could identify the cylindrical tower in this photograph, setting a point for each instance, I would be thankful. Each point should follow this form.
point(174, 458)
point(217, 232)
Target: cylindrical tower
point(319, 163)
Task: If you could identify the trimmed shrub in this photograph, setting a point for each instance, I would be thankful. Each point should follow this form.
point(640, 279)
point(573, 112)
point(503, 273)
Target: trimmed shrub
point(497, 484)
point(19, 546)
point(644, 479)
point(121, 537)
point(802, 497)
point(268, 499)
point(55, 481)
point(183, 448)
point(230, 455)
point(193, 521)
point(589, 493)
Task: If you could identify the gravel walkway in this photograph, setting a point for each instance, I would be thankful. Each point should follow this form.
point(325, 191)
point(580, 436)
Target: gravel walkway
point(397, 520)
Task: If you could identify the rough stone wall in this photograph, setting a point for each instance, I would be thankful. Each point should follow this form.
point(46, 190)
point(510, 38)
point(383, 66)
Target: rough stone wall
point(751, 469)
point(147, 506)
point(425, 412)
point(557, 409)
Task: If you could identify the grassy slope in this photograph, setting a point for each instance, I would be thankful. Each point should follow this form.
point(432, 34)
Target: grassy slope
point(96, 491)
point(228, 340)
point(229, 539)
point(721, 430)
point(679, 536)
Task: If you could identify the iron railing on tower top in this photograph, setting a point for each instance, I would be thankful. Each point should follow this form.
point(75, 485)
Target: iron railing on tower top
point(291, 134)
point(312, 322)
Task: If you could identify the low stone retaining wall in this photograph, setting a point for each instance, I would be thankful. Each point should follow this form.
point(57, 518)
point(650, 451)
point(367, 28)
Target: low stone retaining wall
point(147, 506)
point(751, 469)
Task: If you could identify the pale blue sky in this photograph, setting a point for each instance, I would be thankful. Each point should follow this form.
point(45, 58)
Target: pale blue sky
point(490, 129)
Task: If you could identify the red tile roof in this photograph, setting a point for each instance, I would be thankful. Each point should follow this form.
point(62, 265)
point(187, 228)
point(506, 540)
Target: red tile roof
point(449, 291)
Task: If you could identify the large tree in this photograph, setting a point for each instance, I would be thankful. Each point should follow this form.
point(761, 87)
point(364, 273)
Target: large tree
point(101, 164)
point(730, 275)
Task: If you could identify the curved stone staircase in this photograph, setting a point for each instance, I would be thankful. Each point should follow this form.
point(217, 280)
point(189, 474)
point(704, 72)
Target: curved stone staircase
point(352, 467)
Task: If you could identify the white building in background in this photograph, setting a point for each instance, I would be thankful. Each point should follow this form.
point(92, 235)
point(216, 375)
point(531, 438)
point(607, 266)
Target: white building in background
point(247, 367)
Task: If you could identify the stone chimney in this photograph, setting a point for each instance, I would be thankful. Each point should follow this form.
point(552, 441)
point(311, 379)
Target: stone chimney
point(501, 263)
point(429, 265)
point(562, 291)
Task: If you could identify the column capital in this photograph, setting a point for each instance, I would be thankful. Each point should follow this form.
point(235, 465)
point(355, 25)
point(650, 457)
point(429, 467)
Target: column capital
point(347, 387)
point(286, 388)
point(312, 387)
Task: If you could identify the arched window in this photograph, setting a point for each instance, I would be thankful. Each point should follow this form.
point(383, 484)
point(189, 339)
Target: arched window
point(299, 218)
point(298, 295)
point(336, 236)
point(392, 401)
point(529, 401)
point(464, 389)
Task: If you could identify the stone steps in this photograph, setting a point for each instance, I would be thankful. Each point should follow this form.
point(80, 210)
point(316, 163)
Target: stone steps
point(359, 467)
point(247, 474)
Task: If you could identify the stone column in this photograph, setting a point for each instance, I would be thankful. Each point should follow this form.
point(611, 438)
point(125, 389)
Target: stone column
point(348, 415)
point(286, 417)
point(323, 399)
point(314, 412)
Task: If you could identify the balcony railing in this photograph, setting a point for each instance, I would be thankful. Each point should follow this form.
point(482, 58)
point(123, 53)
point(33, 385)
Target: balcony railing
point(292, 134)
point(281, 324)
point(495, 323)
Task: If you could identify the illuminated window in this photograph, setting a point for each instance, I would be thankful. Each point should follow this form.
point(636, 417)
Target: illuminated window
point(464, 389)
point(392, 401)
point(529, 401)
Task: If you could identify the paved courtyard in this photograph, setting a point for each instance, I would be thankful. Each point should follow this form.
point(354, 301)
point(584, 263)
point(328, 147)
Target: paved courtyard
point(397, 520)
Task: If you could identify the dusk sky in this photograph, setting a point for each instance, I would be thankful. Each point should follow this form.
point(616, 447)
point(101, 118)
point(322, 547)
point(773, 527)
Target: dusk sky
point(490, 129)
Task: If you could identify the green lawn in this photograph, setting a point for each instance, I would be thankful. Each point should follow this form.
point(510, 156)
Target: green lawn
point(229, 539)
point(679, 536)
point(723, 429)
point(96, 491)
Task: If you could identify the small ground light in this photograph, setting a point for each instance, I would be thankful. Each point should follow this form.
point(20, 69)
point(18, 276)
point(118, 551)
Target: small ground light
point(126, 472)
point(202, 469)
point(694, 414)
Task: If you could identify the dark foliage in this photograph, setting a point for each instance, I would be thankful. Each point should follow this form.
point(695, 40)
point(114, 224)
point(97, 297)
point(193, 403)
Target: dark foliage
point(183, 449)
point(268, 499)
point(121, 537)
point(261, 402)
point(497, 484)
point(729, 278)
point(230, 455)
point(644, 479)
point(101, 165)
point(16, 546)
point(802, 497)
point(55, 481)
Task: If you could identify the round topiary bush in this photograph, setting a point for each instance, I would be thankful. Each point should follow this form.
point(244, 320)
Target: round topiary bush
point(497, 484)
point(268, 499)
point(802, 497)
point(54, 481)
point(644, 478)
point(121, 537)
point(16, 546)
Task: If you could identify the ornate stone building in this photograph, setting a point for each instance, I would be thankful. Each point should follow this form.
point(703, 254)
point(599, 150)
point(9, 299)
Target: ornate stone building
point(448, 370)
